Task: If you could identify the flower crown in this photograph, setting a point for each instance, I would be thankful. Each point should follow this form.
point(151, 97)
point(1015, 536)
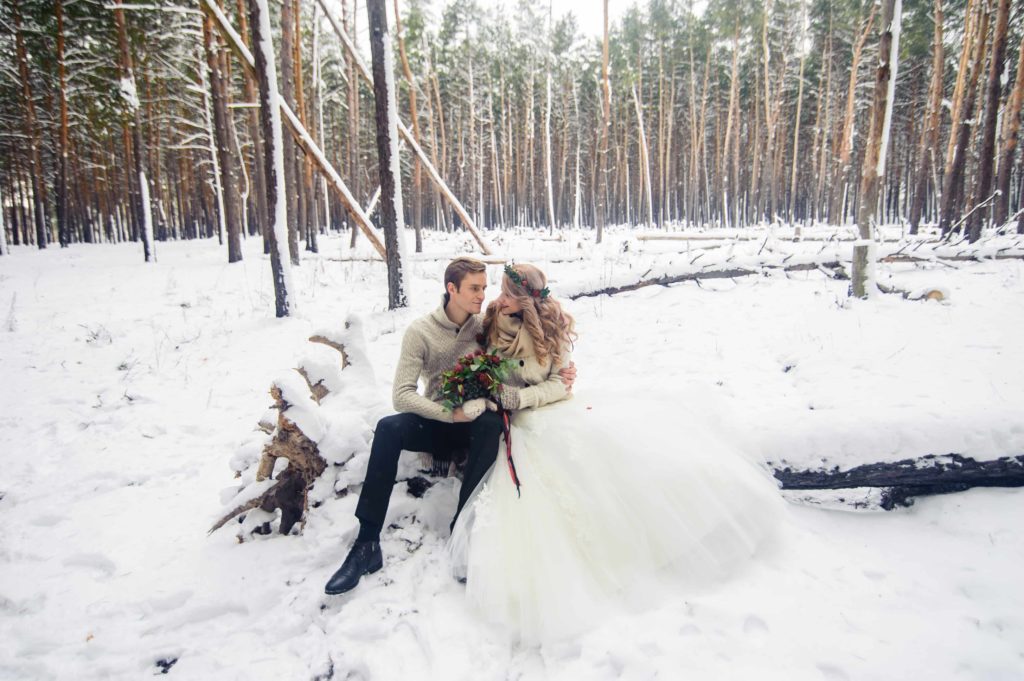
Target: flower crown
point(512, 274)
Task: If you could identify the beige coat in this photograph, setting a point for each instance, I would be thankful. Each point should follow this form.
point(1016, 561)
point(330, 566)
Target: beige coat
point(538, 382)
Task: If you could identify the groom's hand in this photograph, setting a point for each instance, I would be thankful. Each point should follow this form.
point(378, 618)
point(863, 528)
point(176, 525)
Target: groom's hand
point(568, 376)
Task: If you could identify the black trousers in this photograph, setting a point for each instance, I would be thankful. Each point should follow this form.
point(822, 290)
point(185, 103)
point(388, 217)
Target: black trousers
point(415, 433)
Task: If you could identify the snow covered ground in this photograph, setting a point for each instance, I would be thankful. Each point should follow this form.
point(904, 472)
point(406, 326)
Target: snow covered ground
point(129, 387)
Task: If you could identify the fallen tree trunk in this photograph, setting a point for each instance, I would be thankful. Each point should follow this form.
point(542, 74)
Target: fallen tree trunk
point(952, 258)
point(901, 481)
point(836, 268)
point(728, 237)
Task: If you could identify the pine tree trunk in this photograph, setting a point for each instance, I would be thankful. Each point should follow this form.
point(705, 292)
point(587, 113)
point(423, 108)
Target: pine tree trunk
point(577, 201)
point(873, 170)
point(3, 229)
point(31, 132)
point(307, 210)
point(386, 109)
point(769, 118)
point(670, 159)
point(417, 170)
point(601, 186)
point(796, 140)
point(288, 11)
point(273, 161)
point(930, 131)
point(1011, 132)
point(63, 226)
point(823, 124)
point(324, 205)
point(15, 218)
point(840, 188)
point(971, 18)
point(644, 162)
point(549, 188)
point(957, 163)
point(353, 124)
point(143, 210)
point(992, 97)
point(702, 152)
point(24, 200)
point(218, 93)
point(253, 119)
point(730, 148)
point(214, 182)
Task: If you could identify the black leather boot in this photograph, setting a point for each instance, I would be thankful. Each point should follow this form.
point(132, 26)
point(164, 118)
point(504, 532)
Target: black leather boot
point(364, 559)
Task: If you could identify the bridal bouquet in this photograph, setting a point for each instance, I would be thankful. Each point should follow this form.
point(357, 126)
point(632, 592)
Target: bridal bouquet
point(476, 375)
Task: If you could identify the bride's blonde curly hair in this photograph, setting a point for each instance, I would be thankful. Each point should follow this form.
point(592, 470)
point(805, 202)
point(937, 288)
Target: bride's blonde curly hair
point(551, 328)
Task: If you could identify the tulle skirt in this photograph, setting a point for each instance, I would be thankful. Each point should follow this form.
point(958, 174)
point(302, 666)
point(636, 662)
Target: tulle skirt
point(616, 510)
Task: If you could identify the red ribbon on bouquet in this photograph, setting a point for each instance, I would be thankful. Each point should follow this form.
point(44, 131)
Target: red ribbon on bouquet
point(508, 450)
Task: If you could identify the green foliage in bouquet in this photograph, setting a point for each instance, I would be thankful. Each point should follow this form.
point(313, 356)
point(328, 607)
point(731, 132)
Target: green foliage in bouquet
point(476, 375)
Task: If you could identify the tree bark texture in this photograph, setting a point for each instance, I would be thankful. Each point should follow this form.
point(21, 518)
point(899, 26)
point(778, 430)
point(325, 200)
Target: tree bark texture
point(953, 181)
point(140, 176)
point(386, 110)
point(930, 130)
point(987, 158)
point(225, 160)
point(31, 132)
point(1011, 133)
point(288, 97)
point(272, 167)
point(417, 170)
point(873, 169)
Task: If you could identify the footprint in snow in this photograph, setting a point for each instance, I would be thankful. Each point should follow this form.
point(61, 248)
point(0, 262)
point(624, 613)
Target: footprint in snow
point(47, 520)
point(754, 626)
point(832, 673)
point(97, 561)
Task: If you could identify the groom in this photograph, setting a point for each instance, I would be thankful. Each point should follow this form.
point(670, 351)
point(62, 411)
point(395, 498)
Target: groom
point(431, 345)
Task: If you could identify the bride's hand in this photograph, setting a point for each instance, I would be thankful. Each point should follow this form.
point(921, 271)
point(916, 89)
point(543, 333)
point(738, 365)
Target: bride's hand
point(568, 376)
point(470, 410)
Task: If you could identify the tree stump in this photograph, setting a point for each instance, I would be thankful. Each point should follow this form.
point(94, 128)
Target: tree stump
point(297, 427)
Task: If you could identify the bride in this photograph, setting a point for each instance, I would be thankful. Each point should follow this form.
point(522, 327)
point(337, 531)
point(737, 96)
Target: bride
point(605, 516)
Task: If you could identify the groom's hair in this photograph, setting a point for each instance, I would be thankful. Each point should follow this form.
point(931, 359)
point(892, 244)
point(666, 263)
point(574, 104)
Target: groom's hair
point(458, 269)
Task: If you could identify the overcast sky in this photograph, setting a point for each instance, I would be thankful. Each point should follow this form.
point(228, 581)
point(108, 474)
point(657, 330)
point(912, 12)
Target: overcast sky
point(589, 14)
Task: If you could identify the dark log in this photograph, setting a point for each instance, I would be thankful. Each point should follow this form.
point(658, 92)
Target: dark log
point(901, 481)
point(835, 267)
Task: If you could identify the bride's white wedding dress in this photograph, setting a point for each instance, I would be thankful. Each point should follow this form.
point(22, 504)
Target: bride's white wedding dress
point(620, 506)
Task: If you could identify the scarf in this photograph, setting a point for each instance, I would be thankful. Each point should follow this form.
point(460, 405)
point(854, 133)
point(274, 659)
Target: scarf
point(511, 338)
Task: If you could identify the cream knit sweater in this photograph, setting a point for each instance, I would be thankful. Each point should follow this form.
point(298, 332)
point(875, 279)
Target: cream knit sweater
point(431, 345)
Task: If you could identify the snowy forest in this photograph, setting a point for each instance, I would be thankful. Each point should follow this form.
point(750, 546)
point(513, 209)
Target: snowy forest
point(739, 114)
point(790, 236)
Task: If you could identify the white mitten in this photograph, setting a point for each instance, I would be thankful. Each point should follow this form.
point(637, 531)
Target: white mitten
point(473, 408)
